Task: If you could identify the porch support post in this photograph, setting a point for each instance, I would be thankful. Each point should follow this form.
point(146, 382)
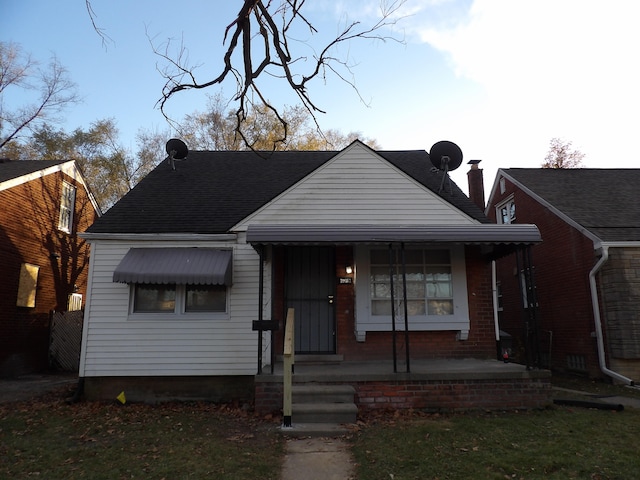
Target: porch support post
point(406, 309)
point(533, 307)
point(393, 308)
point(529, 305)
point(260, 303)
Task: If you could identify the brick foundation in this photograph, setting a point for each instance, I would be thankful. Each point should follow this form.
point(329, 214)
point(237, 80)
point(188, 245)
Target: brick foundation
point(431, 395)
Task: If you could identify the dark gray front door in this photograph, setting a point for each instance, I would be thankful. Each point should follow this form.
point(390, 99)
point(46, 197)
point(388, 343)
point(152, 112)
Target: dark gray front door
point(310, 289)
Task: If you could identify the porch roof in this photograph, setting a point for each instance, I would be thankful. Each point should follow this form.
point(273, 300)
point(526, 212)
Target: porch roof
point(198, 266)
point(479, 234)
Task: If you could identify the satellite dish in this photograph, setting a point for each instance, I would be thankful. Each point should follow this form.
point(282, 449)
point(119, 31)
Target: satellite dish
point(177, 150)
point(446, 156)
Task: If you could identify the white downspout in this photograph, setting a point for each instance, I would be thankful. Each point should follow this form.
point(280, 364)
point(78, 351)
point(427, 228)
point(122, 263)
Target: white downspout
point(596, 316)
point(494, 286)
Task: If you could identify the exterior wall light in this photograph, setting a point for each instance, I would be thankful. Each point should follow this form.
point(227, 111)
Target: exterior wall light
point(348, 269)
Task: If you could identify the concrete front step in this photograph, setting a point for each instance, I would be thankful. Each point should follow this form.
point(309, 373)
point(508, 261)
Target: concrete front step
point(310, 359)
point(324, 413)
point(303, 430)
point(306, 393)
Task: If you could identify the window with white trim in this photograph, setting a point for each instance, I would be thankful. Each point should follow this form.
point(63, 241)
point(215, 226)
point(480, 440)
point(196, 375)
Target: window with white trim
point(436, 289)
point(171, 298)
point(67, 206)
point(428, 279)
point(506, 211)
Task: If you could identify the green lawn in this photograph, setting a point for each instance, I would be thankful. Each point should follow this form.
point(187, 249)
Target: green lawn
point(49, 439)
point(554, 443)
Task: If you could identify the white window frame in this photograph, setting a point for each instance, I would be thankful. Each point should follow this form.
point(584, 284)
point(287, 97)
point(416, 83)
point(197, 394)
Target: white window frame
point(510, 205)
point(67, 207)
point(179, 312)
point(458, 321)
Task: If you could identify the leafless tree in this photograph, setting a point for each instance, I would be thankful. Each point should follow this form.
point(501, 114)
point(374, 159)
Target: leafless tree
point(52, 88)
point(561, 155)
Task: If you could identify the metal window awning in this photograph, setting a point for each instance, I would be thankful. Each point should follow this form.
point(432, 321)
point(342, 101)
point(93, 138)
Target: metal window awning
point(198, 266)
point(488, 234)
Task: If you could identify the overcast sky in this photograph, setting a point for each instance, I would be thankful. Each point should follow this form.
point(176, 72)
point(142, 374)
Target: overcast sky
point(500, 78)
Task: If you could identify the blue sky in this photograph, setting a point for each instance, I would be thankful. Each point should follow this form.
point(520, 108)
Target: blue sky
point(498, 77)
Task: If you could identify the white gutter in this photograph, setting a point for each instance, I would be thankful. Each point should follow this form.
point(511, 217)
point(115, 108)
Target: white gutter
point(596, 316)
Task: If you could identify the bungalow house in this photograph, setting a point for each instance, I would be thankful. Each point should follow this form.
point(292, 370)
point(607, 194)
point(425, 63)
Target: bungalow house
point(193, 271)
point(43, 262)
point(586, 300)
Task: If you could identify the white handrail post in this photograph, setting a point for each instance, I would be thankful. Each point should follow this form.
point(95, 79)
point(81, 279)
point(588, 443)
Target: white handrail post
point(289, 349)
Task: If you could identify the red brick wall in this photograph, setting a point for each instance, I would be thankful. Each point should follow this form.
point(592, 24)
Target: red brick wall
point(436, 395)
point(562, 263)
point(28, 234)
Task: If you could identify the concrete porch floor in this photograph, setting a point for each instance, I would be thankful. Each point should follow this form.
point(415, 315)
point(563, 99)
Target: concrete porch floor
point(433, 369)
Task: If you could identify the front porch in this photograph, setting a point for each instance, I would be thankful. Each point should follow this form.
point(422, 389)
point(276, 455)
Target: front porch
point(432, 385)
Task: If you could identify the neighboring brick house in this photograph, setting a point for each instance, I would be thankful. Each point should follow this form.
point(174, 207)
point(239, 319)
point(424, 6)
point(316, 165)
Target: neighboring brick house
point(193, 267)
point(586, 270)
point(43, 263)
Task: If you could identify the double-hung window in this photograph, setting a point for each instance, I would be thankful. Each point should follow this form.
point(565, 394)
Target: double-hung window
point(506, 211)
point(179, 299)
point(428, 280)
point(67, 206)
point(436, 289)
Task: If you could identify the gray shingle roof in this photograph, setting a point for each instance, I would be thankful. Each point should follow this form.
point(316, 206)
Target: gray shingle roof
point(211, 191)
point(10, 169)
point(604, 201)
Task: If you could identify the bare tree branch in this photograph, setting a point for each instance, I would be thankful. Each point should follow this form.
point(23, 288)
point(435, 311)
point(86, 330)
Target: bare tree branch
point(269, 49)
point(106, 39)
point(57, 91)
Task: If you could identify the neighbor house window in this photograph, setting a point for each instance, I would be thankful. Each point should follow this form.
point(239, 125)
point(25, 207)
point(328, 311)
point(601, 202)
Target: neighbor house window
point(428, 280)
point(506, 211)
point(67, 206)
point(156, 298)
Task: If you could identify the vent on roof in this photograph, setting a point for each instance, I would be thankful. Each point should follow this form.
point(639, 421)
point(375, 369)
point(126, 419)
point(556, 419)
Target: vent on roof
point(176, 150)
point(445, 156)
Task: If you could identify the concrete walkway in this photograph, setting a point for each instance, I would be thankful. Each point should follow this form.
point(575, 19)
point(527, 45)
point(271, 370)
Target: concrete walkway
point(28, 387)
point(317, 459)
point(607, 399)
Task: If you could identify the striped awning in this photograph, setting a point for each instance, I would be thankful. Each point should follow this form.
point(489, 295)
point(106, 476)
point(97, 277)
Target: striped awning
point(194, 266)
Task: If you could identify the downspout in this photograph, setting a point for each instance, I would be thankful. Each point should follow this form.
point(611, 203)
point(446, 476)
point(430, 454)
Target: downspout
point(598, 323)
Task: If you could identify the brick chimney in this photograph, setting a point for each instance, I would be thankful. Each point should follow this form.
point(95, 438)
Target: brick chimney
point(476, 184)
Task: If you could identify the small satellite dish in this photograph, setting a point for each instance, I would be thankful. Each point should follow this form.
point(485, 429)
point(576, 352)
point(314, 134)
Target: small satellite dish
point(445, 156)
point(177, 150)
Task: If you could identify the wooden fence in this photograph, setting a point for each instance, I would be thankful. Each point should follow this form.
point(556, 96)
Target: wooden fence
point(65, 338)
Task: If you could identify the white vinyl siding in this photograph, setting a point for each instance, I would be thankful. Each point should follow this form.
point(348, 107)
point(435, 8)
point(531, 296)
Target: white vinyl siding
point(358, 187)
point(116, 342)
